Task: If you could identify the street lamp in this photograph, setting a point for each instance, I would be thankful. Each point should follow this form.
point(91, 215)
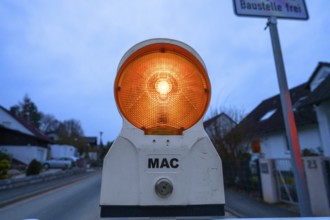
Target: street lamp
point(101, 143)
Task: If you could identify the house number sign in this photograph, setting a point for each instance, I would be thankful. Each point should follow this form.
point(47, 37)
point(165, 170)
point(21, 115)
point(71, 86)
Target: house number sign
point(311, 164)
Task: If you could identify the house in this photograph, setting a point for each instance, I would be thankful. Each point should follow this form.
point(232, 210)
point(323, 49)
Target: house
point(319, 98)
point(266, 125)
point(92, 151)
point(57, 151)
point(91, 141)
point(219, 125)
point(20, 140)
point(219, 129)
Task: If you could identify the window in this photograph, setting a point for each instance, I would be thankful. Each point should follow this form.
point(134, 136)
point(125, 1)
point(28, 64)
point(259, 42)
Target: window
point(268, 115)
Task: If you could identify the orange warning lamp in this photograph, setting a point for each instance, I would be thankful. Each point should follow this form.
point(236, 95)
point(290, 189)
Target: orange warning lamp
point(162, 87)
point(162, 91)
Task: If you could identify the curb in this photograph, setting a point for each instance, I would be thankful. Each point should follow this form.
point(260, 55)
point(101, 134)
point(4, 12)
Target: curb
point(14, 183)
point(44, 190)
point(233, 212)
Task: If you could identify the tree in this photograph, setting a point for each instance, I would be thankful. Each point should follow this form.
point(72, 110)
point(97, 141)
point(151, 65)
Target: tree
point(67, 132)
point(70, 132)
point(49, 124)
point(230, 140)
point(28, 111)
point(105, 149)
point(70, 128)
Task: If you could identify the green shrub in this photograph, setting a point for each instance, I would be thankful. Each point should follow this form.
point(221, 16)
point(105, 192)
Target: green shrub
point(4, 167)
point(34, 168)
point(309, 153)
point(4, 156)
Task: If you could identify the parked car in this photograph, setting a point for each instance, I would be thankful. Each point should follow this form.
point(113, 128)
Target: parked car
point(63, 163)
point(73, 160)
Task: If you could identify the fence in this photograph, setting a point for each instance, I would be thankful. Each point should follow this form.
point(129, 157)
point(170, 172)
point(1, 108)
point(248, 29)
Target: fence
point(278, 182)
point(285, 181)
point(243, 175)
point(326, 170)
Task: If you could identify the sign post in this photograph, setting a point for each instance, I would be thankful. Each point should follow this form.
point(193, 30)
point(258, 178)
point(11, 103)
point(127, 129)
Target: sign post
point(290, 124)
point(292, 9)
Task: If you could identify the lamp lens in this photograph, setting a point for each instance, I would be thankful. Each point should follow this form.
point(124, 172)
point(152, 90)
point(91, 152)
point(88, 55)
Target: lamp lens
point(162, 92)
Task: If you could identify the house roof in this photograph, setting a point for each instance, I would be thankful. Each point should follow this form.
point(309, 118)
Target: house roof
point(214, 119)
point(91, 140)
point(267, 117)
point(320, 94)
point(28, 126)
point(15, 137)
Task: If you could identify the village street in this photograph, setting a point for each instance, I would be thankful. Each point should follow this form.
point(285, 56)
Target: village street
point(77, 197)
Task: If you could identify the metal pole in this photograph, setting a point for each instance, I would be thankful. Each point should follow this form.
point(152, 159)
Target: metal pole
point(290, 124)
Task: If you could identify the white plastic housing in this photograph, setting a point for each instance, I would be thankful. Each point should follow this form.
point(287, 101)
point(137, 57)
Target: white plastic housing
point(127, 180)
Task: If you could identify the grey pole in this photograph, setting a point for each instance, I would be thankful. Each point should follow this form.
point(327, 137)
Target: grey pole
point(290, 124)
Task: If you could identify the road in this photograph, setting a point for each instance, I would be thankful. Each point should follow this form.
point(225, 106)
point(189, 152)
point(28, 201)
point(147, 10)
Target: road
point(79, 200)
point(245, 206)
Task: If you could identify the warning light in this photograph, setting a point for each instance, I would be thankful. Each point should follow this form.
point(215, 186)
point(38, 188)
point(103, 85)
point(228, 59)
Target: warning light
point(162, 88)
point(162, 164)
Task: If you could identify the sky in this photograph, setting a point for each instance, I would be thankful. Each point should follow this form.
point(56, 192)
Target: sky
point(64, 54)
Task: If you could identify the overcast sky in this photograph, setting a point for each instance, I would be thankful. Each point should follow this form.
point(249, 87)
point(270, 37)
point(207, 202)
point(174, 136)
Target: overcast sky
point(64, 54)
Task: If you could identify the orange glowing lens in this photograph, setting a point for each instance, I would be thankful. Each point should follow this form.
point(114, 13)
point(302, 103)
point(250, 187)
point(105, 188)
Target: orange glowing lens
point(162, 88)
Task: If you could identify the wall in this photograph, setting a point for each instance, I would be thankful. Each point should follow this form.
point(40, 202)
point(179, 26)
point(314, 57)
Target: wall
point(317, 183)
point(25, 154)
point(275, 145)
point(268, 183)
point(62, 151)
point(323, 117)
point(316, 179)
point(310, 138)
